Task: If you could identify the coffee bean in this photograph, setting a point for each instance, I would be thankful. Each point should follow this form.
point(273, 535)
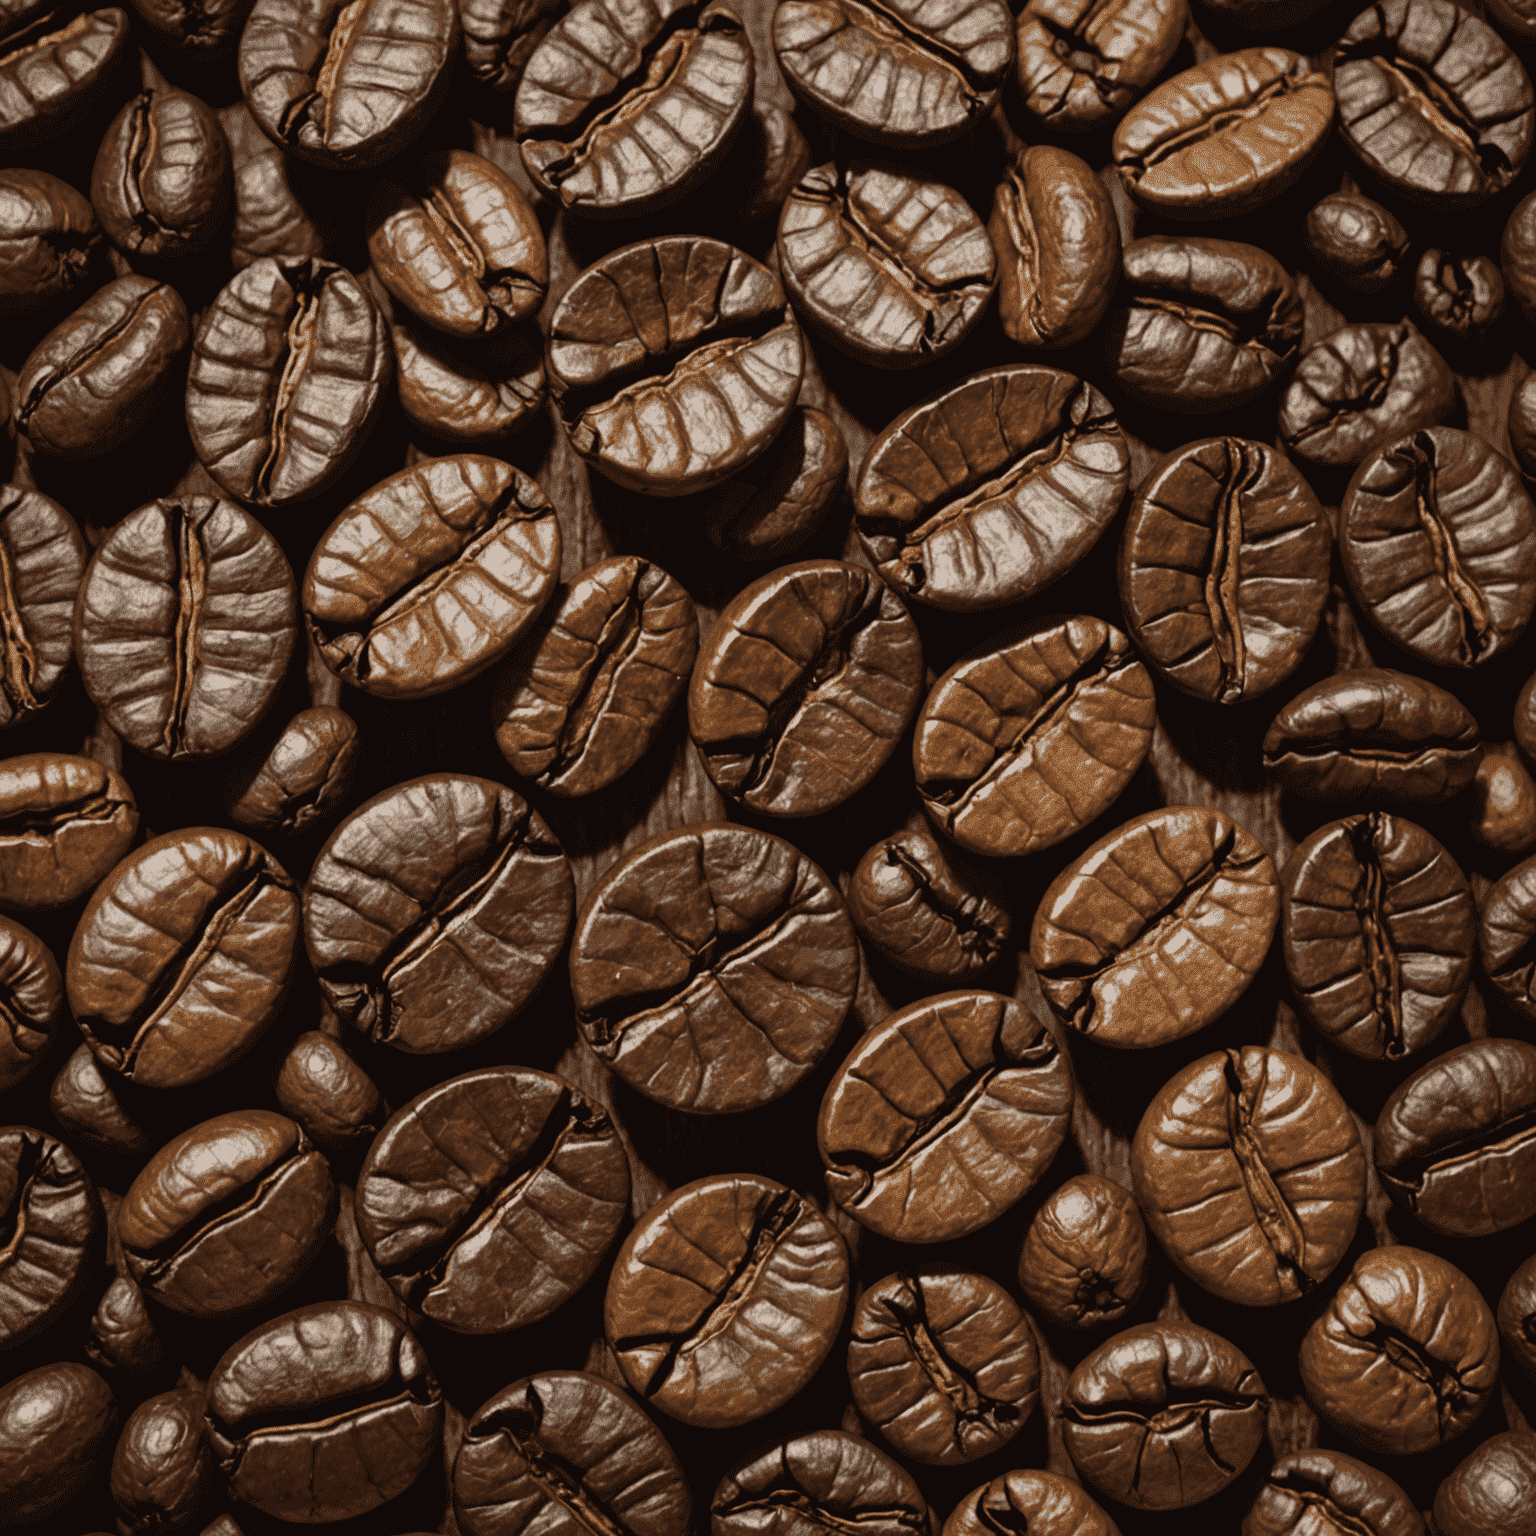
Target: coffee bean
point(1084, 1260)
point(210, 31)
point(302, 782)
point(1506, 938)
point(1503, 802)
point(281, 207)
point(88, 1108)
point(1493, 1492)
point(1039, 1502)
point(773, 156)
point(500, 37)
point(1517, 1317)
point(162, 1470)
point(52, 76)
point(31, 1001)
point(50, 246)
point(1328, 1491)
point(333, 1100)
point(1356, 242)
point(122, 1340)
point(1517, 255)
point(1461, 297)
point(57, 1425)
point(43, 558)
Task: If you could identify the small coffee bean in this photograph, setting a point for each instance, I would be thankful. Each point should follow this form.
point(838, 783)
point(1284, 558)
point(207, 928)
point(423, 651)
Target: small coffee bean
point(1084, 1260)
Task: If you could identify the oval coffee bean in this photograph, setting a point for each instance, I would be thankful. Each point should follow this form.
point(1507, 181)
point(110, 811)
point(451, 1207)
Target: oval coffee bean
point(467, 397)
point(1493, 1492)
point(50, 244)
point(1038, 1502)
point(1506, 938)
point(1503, 802)
point(31, 1001)
point(57, 1426)
point(500, 36)
point(1462, 297)
point(122, 1338)
point(333, 1100)
point(1517, 255)
point(992, 489)
point(53, 76)
point(1329, 1491)
point(1517, 1317)
point(1356, 242)
point(162, 1474)
point(43, 558)
point(282, 207)
point(944, 1116)
point(88, 1108)
point(1084, 1260)
point(303, 781)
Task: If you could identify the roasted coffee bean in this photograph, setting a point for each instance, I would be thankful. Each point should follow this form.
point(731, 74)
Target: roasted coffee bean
point(992, 489)
point(696, 1280)
point(1517, 255)
point(1356, 242)
point(122, 1340)
point(772, 507)
point(1058, 248)
point(1028, 739)
point(1164, 1415)
point(1324, 1492)
point(578, 706)
point(1525, 718)
point(492, 1198)
point(42, 558)
point(162, 182)
point(674, 363)
point(1456, 1143)
point(52, 76)
point(324, 1413)
point(1517, 1317)
point(1224, 568)
point(1378, 933)
point(1250, 1172)
point(431, 576)
point(347, 86)
point(98, 377)
point(804, 686)
point(1202, 325)
point(209, 30)
point(891, 268)
point(1438, 542)
point(500, 36)
point(944, 1116)
point(182, 956)
point(1432, 101)
point(1503, 802)
point(31, 1001)
point(774, 156)
point(1157, 929)
point(302, 782)
point(900, 73)
point(281, 206)
point(1493, 1492)
point(1406, 1356)
point(1038, 1502)
point(57, 1425)
point(335, 1102)
point(162, 1471)
point(455, 241)
point(185, 626)
point(1506, 938)
point(1358, 390)
point(434, 912)
point(566, 1450)
point(1084, 1260)
point(1080, 65)
point(712, 967)
point(50, 242)
point(1462, 297)
point(52, 1218)
point(944, 1364)
point(623, 109)
point(1225, 137)
point(920, 916)
point(1374, 734)
point(87, 1107)
point(288, 370)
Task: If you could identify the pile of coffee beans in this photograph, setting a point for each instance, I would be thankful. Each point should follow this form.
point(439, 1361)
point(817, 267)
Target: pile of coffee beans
point(768, 767)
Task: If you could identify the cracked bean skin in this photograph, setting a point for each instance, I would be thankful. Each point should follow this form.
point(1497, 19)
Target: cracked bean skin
point(51, 242)
point(725, 1299)
point(1084, 1260)
point(122, 1337)
point(1506, 938)
point(57, 1428)
point(1327, 1491)
point(500, 36)
point(31, 1002)
point(57, 75)
point(304, 780)
point(1356, 242)
point(1462, 297)
point(1517, 1317)
point(42, 560)
point(1250, 1172)
point(1041, 1503)
point(1406, 1356)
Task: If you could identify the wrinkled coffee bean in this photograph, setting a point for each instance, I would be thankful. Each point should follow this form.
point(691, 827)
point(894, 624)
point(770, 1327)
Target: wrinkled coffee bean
point(1506, 938)
point(1517, 1317)
point(64, 822)
point(52, 76)
point(333, 1100)
point(209, 30)
point(1356, 242)
point(1462, 297)
point(303, 781)
point(86, 1104)
point(1517, 255)
point(162, 1475)
point(774, 155)
point(122, 1338)
point(57, 1426)
point(1493, 1492)
point(50, 242)
point(500, 36)
point(31, 1001)
point(281, 205)
point(42, 557)
point(1084, 1260)
point(1503, 802)
point(1038, 1502)
point(1324, 1491)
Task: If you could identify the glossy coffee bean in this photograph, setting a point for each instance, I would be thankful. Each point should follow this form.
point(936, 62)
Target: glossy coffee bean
point(500, 36)
point(1084, 1260)
point(1503, 802)
point(122, 1341)
point(162, 1476)
point(1356, 242)
point(43, 557)
point(1327, 1491)
point(56, 73)
point(1493, 1492)
point(211, 31)
point(281, 204)
point(774, 155)
point(302, 782)
point(87, 1105)
point(1460, 297)
point(328, 1094)
point(51, 243)
point(1517, 255)
point(31, 1002)
point(1525, 718)
point(1517, 1318)
point(1506, 930)
point(57, 1425)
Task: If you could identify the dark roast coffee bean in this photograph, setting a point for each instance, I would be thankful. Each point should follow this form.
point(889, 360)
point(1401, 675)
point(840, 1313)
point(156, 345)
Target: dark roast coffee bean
point(1251, 1175)
point(122, 1340)
point(335, 1102)
point(500, 36)
point(50, 242)
point(623, 109)
point(303, 781)
point(64, 822)
point(920, 916)
point(1378, 933)
point(31, 1001)
point(1327, 1492)
point(182, 956)
point(57, 1425)
point(431, 576)
point(98, 377)
point(944, 1364)
point(1406, 1355)
point(347, 86)
point(1058, 248)
point(692, 1289)
point(1503, 802)
point(1517, 255)
point(1525, 718)
point(1028, 739)
point(1038, 1502)
point(1456, 1143)
point(1493, 1492)
point(992, 489)
point(281, 206)
point(1225, 137)
point(1164, 1415)
point(206, 31)
point(944, 1116)
point(1224, 568)
point(1202, 325)
point(53, 75)
point(712, 967)
point(1374, 734)
point(1080, 65)
point(455, 241)
point(324, 1413)
point(1438, 542)
point(1462, 297)
point(1157, 929)
point(43, 558)
point(772, 507)
point(1506, 938)
point(492, 1198)
point(774, 156)
point(803, 687)
point(162, 181)
point(674, 363)
point(185, 626)
point(162, 1471)
point(565, 1450)
point(435, 910)
point(1432, 101)
point(87, 1107)
point(1356, 242)
point(891, 268)
point(1517, 1317)
point(288, 371)
point(1084, 1259)
point(580, 704)
point(51, 1215)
